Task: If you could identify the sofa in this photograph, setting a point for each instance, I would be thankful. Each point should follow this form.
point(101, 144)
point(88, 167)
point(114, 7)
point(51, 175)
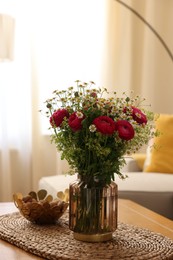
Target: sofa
point(153, 190)
point(150, 174)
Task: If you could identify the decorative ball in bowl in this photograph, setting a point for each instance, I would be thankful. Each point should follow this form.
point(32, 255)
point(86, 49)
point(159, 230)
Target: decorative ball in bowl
point(41, 208)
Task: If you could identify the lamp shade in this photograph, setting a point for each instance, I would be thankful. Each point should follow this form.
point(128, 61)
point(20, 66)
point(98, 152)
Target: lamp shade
point(7, 25)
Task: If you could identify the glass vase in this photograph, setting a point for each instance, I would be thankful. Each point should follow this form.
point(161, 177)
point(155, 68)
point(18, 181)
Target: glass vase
point(93, 210)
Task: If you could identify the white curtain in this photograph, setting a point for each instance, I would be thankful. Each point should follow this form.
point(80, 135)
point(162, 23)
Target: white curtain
point(15, 112)
point(57, 42)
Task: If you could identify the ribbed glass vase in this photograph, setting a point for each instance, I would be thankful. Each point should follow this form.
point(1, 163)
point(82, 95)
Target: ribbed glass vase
point(93, 210)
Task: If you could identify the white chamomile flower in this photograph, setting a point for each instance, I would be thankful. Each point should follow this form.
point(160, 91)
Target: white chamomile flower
point(92, 128)
point(79, 114)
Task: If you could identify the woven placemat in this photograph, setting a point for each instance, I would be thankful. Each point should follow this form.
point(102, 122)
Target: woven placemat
point(57, 242)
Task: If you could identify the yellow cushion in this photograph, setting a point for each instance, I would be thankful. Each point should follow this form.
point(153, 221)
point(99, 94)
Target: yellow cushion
point(161, 157)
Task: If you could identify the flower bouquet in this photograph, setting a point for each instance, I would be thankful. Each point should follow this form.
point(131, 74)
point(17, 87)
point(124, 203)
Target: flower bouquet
point(94, 129)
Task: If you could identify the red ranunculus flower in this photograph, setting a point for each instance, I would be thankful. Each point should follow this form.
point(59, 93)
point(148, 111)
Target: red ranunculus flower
point(125, 129)
point(75, 122)
point(93, 94)
point(104, 125)
point(138, 116)
point(58, 116)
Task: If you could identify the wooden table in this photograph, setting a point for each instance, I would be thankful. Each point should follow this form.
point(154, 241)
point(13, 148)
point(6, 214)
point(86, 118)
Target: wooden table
point(128, 212)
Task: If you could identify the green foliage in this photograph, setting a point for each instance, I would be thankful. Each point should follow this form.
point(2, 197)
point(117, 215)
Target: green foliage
point(88, 151)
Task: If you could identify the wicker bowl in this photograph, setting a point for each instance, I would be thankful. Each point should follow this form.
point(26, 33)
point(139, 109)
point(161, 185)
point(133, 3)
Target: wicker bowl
point(41, 208)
